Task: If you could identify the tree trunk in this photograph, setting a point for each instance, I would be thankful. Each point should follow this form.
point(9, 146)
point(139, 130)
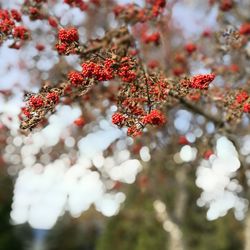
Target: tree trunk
point(247, 232)
point(175, 234)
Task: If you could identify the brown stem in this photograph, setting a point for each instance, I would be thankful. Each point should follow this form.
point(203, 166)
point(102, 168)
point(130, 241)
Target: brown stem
point(219, 123)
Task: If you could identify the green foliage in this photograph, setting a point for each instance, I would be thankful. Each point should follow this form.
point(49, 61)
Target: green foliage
point(8, 233)
point(200, 234)
point(135, 228)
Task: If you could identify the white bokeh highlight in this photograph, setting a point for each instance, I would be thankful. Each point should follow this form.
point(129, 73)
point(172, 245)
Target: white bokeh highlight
point(215, 177)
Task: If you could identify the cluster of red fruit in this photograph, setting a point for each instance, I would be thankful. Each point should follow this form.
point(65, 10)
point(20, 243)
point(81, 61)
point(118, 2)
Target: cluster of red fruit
point(82, 5)
point(134, 13)
point(9, 27)
point(36, 102)
point(126, 70)
point(39, 101)
point(152, 38)
point(34, 13)
point(132, 110)
point(154, 117)
point(98, 71)
point(75, 78)
point(35, 10)
point(104, 71)
point(190, 48)
point(201, 81)
point(226, 5)
point(157, 6)
point(67, 41)
point(242, 99)
point(244, 29)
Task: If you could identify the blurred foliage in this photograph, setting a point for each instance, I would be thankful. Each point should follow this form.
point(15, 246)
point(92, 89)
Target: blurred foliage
point(225, 233)
point(75, 234)
point(136, 227)
point(9, 235)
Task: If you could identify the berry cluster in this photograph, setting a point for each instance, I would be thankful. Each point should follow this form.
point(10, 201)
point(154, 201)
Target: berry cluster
point(142, 92)
point(109, 69)
point(190, 48)
point(207, 154)
point(53, 22)
point(118, 119)
point(77, 3)
point(241, 97)
point(40, 47)
point(9, 27)
point(129, 12)
point(182, 140)
point(37, 104)
point(226, 5)
point(155, 117)
point(75, 78)
point(35, 13)
point(236, 102)
point(16, 15)
point(245, 29)
point(152, 64)
point(67, 41)
point(201, 81)
point(25, 111)
point(158, 90)
point(242, 101)
point(68, 35)
point(20, 32)
point(79, 122)
point(139, 100)
point(180, 64)
point(98, 71)
point(157, 6)
point(134, 131)
point(152, 38)
point(126, 70)
point(38, 101)
point(133, 13)
point(82, 5)
point(246, 108)
point(52, 97)
point(35, 9)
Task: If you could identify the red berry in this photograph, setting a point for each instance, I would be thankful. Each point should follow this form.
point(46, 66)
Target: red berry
point(155, 117)
point(21, 32)
point(246, 107)
point(241, 97)
point(75, 78)
point(36, 101)
point(52, 22)
point(226, 5)
point(207, 154)
point(245, 29)
point(79, 122)
point(201, 81)
point(117, 118)
point(53, 97)
point(190, 48)
point(40, 47)
point(183, 140)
